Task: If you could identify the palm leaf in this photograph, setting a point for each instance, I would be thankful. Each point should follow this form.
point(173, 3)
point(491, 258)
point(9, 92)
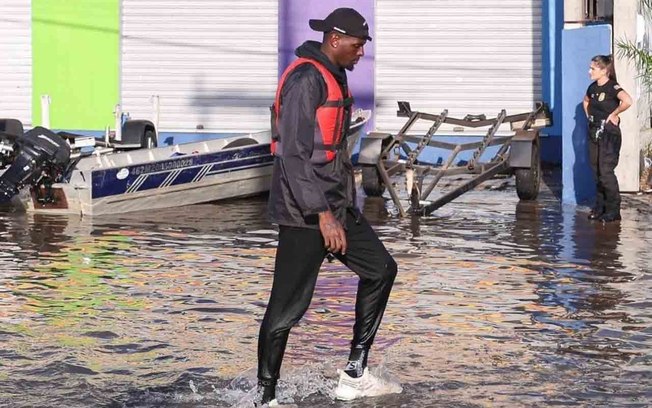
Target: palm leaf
point(646, 7)
point(641, 58)
point(645, 4)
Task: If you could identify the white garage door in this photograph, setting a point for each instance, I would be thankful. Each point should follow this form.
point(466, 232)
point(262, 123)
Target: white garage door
point(467, 56)
point(213, 63)
point(16, 60)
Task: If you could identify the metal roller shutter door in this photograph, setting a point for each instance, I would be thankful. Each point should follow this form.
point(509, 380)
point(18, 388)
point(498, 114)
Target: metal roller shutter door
point(467, 56)
point(213, 63)
point(16, 61)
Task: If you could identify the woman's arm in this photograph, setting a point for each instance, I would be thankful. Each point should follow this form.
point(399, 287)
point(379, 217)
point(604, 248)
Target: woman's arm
point(625, 103)
point(585, 104)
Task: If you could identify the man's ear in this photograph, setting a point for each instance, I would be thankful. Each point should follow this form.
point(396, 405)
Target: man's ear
point(334, 40)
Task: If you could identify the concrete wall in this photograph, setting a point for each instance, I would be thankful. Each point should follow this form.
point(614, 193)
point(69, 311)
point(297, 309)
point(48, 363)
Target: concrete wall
point(628, 170)
point(573, 11)
point(644, 38)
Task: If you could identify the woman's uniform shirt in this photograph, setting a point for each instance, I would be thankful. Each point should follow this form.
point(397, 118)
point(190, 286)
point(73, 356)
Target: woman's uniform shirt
point(602, 100)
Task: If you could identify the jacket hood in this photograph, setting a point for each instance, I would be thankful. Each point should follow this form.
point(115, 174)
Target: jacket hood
point(312, 50)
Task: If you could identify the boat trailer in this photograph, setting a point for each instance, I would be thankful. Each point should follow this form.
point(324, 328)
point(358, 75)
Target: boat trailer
point(384, 155)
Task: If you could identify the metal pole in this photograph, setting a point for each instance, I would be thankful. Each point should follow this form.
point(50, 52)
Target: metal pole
point(390, 188)
point(118, 123)
point(469, 185)
point(45, 111)
point(438, 176)
point(156, 109)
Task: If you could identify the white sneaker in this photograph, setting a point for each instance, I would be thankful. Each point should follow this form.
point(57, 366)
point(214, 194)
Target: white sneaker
point(369, 385)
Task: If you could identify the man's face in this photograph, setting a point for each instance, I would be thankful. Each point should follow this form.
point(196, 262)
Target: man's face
point(347, 50)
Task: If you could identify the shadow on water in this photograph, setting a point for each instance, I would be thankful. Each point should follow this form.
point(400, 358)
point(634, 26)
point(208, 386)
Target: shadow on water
point(497, 303)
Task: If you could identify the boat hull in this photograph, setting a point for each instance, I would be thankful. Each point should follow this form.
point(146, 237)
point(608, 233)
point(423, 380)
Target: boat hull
point(109, 182)
point(159, 178)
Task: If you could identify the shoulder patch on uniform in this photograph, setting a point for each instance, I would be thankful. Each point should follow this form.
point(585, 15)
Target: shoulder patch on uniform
point(617, 87)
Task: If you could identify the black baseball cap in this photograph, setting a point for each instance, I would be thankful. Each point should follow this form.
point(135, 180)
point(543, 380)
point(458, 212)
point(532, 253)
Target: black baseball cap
point(343, 20)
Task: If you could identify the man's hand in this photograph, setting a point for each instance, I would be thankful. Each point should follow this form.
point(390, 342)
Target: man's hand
point(333, 233)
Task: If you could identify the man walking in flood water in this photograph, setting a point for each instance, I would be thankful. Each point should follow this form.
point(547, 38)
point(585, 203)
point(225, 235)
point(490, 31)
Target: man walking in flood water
point(312, 199)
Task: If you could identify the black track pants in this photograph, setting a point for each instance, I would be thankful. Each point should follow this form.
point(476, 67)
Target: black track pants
point(299, 256)
point(604, 154)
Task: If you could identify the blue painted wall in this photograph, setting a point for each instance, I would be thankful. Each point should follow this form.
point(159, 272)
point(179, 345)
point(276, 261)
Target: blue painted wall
point(578, 47)
point(552, 24)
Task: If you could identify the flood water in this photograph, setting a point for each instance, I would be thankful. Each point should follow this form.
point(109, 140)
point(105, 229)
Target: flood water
point(497, 304)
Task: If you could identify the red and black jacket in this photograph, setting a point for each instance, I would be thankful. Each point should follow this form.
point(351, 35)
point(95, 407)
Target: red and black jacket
point(311, 115)
point(331, 116)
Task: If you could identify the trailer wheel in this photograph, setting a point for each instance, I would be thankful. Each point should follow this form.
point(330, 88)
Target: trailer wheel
point(529, 180)
point(148, 139)
point(372, 183)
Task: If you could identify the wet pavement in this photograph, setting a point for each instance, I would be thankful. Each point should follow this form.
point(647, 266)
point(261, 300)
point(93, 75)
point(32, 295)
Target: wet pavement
point(497, 304)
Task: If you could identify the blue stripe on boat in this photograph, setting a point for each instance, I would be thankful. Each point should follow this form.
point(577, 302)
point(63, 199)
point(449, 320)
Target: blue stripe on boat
point(147, 176)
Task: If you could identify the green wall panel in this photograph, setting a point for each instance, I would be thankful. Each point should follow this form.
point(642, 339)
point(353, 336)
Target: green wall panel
point(75, 46)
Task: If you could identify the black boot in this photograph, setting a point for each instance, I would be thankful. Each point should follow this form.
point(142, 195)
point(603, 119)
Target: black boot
point(610, 217)
point(595, 214)
point(266, 392)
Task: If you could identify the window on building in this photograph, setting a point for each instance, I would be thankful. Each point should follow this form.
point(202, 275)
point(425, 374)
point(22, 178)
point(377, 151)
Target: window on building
point(599, 10)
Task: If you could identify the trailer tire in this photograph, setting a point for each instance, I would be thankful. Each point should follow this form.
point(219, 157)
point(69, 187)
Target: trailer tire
point(372, 183)
point(148, 139)
point(528, 181)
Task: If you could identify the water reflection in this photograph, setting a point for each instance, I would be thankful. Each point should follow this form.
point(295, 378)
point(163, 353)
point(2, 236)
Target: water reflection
point(497, 303)
point(585, 304)
point(591, 248)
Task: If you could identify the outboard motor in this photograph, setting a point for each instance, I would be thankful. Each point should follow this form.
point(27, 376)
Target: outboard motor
point(39, 150)
point(7, 143)
point(10, 129)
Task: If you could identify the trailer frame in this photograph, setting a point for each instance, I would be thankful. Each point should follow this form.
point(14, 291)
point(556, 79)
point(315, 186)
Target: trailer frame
point(384, 155)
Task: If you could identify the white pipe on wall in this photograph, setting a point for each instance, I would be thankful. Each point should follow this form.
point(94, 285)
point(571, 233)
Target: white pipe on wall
point(45, 111)
point(118, 123)
point(156, 110)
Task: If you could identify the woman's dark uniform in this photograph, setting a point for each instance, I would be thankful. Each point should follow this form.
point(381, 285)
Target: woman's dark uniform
point(604, 148)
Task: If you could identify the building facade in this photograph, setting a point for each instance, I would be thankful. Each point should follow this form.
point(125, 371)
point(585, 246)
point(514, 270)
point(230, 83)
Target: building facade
point(214, 63)
point(201, 67)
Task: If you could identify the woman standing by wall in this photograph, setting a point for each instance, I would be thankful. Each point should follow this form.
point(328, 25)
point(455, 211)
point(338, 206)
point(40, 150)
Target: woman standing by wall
point(604, 101)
